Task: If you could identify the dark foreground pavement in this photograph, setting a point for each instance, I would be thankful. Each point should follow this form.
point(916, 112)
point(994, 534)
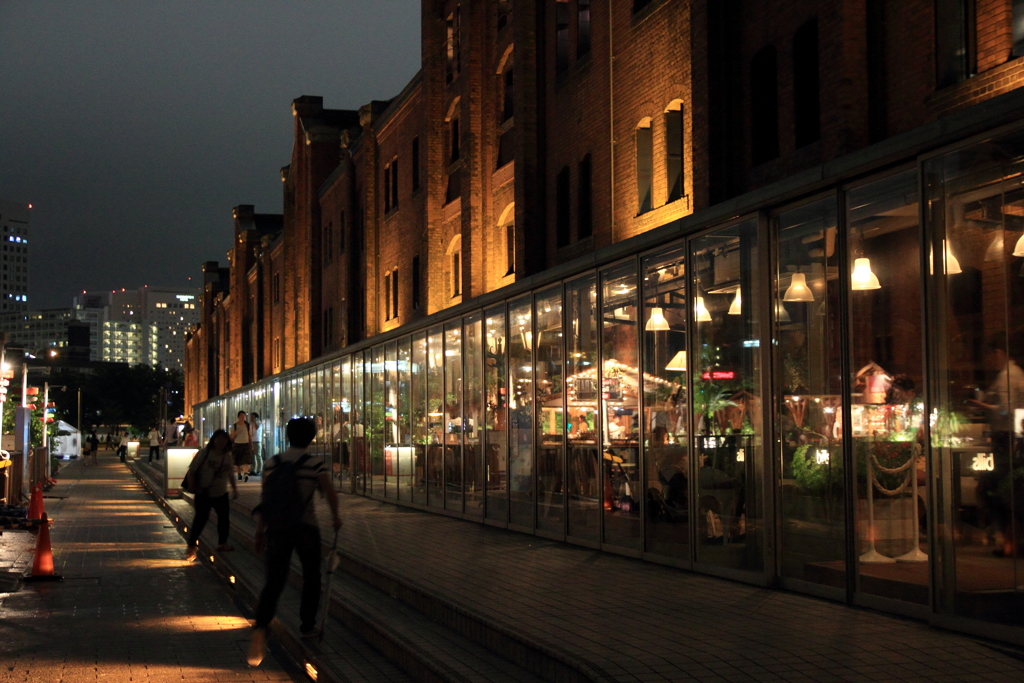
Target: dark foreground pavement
point(129, 608)
point(419, 586)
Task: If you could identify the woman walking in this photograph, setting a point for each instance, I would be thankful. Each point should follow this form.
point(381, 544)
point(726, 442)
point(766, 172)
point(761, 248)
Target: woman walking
point(242, 449)
point(212, 469)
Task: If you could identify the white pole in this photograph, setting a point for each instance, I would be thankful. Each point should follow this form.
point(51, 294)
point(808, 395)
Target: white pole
point(915, 554)
point(46, 400)
point(872, 556)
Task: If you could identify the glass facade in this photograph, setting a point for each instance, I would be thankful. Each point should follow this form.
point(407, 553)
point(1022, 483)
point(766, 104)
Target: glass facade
point(826, 394)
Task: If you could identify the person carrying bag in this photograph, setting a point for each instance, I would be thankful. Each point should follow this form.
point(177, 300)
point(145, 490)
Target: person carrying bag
point(208, 477)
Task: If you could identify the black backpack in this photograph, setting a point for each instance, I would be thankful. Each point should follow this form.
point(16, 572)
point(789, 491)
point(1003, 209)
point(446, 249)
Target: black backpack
point(281, 503)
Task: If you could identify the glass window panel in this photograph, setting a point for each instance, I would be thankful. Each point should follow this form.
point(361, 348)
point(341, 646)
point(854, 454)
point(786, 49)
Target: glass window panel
point(404, 467)
point(496, 417)
point(435, 417)
point(620, 406)
point(666, 433)
point(420, 419)
point(809, 401)
point(375, 411)
point(345, 474)
point(887, 377)
point(473, 400)
point(547, 341)
point(976, 214)
point(358, 444)
point(727, 398)
point(582, 392)
point(521, 412)
point(392, 437)
point(453, 424)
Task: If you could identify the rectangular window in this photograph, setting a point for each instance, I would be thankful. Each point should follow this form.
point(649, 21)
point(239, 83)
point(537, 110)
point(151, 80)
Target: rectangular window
point(562, 207)
point(508, 108)
point(275, 286)
point(387, 187)
point(394, 293)
point(394, 184)
point(457, 274)
point(452, 56)
point(644, 169)
point(955, 40)
point(674, 153)
point(453, 141)
point(582, 27)
point(415, 283)
point(504, 12)
point(387, 296)
point(764, 106)
point(415, 164)
point(1018, 28)
point(585, 213)
point(806, 108)
point(561, 36)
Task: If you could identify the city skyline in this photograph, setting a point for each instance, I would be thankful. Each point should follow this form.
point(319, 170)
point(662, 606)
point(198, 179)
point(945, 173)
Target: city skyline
point(133, 129)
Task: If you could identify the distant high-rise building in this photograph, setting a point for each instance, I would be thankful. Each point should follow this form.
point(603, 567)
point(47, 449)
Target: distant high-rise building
point(14, 223)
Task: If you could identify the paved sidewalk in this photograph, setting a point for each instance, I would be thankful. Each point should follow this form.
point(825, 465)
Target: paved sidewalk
point(636, 621)
point(129, 608)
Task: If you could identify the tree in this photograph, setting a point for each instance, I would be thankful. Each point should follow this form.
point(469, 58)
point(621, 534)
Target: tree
point(118, 394)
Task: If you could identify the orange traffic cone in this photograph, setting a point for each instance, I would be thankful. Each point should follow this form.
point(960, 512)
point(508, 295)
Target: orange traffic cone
point(35, 504)
point(42, 565)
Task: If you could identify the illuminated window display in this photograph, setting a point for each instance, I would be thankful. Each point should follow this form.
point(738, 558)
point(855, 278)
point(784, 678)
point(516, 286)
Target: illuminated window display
point(827, 394)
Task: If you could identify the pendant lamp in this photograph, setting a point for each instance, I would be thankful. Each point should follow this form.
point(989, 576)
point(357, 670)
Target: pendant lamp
point(1018, 250)
point(798, 289)
point(781, 314)
point(736, 308)
point(952, 265)
point(657, 322)
point(862, 277)
point(678, 362)
point(702, 312)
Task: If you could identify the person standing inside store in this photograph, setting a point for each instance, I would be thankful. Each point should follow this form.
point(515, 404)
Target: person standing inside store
point(211, 470)
point(122, 447)
point(241, 437)
point(1004, 396)
point(278, 533)
point(256, 431)
point(154, 443)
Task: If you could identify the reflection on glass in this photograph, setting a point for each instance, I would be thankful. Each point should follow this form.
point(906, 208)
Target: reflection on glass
point(358, 433)
point(581, 388)
point(420, 420)
point(473, 350)
point(727, 404)
point(496, 405)
point(521, 413)
point(375, 413)
point(550, 423)
point(403, 455)
point(808, 403)
point(454, 427)
point(620, 407)
point(887, 373)
point(435, 417)
point(666, 436)
point(392, 424)
point(977, 421)
point(345, 434)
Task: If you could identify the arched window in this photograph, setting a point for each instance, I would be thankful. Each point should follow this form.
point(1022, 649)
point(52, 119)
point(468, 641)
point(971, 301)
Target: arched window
point(453, 258)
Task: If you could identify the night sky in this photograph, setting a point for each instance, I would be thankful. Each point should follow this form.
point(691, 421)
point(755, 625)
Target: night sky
point(133, 127)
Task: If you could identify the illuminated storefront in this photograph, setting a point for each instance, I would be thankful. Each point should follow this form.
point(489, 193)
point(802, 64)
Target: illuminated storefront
point(823, 394)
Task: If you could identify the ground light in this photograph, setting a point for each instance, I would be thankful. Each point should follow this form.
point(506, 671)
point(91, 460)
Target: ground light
point(311, 670)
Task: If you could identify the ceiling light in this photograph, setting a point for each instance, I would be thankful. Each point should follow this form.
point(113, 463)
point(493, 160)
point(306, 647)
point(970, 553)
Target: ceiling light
point(736, 308)
point(1018, 250)
point(702, 312)
point(657, 322)
point(952, 265)
point(678, 362)
point(862, 278)
point(798, 289)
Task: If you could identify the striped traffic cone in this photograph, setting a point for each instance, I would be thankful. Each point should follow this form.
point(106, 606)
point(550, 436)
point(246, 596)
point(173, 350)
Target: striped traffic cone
point(42, 565)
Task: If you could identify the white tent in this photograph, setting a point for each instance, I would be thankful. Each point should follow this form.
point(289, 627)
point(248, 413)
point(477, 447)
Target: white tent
point(67, 443)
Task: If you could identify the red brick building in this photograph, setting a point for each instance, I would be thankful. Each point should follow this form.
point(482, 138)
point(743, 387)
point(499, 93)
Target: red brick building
point(611, 237)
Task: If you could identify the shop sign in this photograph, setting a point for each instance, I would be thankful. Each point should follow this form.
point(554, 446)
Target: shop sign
point(983, 462)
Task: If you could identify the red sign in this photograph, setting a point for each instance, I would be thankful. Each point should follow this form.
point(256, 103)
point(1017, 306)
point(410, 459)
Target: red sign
point(32, 391)
point(30, 406)
point(719, 374)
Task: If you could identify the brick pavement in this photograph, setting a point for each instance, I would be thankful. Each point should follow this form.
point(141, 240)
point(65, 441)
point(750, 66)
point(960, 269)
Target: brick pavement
point(630, 620)
point(129, 608)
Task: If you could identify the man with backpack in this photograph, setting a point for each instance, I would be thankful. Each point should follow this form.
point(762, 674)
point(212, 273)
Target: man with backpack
point(286, 521)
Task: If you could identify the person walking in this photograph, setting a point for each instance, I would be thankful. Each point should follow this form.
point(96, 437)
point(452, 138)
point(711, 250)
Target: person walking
point(286, 521)
point(94, 446)
point(241, 436)
point(211, 470)
point(154, 443)
point(122, 447)
point(256, 430)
